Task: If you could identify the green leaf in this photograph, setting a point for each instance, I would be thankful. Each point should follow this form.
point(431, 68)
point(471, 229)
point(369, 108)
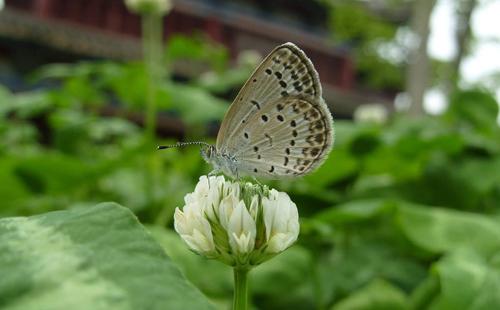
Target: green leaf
point(53, 172)
point(356, 211)
point(91, 258)
point(12, 189)
point(442, 230)
point(5, 98)
point(212, 277)
point(476, 108)
point(197, 49)
point(487, 169)
point(284, 282)
point(468, 281)
point(361, 258)
point(379, 294)
point(339, 166)
point(195, 104)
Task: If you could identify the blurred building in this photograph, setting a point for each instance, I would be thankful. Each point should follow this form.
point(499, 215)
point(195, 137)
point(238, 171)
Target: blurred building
point(35, 32)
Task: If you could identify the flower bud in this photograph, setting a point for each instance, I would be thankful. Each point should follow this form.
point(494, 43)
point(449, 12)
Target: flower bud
point(160, 7)
point(241, 224)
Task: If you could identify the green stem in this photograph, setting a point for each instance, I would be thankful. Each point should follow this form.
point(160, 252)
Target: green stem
point(240, 301)
point(152, 44)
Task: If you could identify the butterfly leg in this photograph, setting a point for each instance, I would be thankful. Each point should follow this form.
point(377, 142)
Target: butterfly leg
point(212, 173)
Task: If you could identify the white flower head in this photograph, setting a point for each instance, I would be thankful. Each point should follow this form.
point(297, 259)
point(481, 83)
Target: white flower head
point(160, 7)
point(371, 113)
point(241, 224)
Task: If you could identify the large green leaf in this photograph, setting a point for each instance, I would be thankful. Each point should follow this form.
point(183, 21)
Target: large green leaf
point(378, 294)
point(467, 281)
point(285, 282)
point(92, 258)
point(339, 166)
point(356, 211)
point(212, 277)
point(474, 107)
point(442, 230)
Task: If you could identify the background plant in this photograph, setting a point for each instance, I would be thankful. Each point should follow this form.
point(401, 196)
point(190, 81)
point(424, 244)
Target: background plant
point(402, 214)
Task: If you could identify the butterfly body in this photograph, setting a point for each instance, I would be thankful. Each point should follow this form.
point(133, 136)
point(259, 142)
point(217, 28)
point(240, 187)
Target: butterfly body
point(221, 161)
point(278, 126)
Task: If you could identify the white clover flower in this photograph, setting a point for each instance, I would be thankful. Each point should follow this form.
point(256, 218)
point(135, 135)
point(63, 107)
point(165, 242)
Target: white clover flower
point(282, 221)
point(239, 224)
point(160, 7)
point(374, 113)
point(250, 58)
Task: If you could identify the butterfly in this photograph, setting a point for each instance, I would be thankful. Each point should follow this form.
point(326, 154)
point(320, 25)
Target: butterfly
point(278, 126)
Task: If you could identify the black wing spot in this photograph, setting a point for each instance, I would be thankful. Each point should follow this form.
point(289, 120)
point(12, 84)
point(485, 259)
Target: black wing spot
point(294, 133)
point(254, 80)
point(245, 135)
point(293, 123)
point(258, 156)
point(278, 75)
point(286, 161)
point(287, 151)
point(264, 118)
point(272, 169)
point(256, 149)
point(315, 151)
point(298, 86)
point(280, 118)
point(284, 93)
point(279, 107)
point(319, 138)
point(283, 84)
point(292, 142)
point(255, 103)
point(268, 71)
point(255, 170)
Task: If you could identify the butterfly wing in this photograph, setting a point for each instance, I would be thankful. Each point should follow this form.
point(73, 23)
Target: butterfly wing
point(293, 136)
point(284, 78)
point(286, 71)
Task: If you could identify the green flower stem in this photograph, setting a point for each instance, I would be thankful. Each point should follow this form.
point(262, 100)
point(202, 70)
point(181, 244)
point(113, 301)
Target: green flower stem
point(240, 301)
point(152, 41)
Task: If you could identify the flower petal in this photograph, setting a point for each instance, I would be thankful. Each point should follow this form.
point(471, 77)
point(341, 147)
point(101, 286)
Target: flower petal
point(241, 229)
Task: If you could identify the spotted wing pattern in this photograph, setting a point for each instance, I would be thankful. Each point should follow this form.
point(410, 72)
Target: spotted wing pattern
point(278, 125)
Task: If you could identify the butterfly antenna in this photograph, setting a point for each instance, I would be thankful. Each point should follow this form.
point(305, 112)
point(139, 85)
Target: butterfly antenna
point(182, 144)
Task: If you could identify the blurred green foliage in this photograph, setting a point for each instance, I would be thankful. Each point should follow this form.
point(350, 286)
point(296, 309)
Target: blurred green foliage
point(401, 215)
point(372, 39)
